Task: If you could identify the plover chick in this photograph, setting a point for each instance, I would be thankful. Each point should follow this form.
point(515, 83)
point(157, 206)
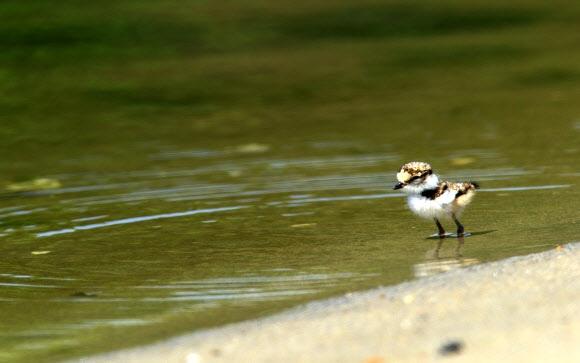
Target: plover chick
point(433, 199)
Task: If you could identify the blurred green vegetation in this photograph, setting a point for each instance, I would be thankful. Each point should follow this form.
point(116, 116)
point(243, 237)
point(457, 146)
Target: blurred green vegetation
point(123, 78)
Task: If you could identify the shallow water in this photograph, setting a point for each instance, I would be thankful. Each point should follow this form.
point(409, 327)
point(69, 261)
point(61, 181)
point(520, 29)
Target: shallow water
point(175, 168)
point(146, 254)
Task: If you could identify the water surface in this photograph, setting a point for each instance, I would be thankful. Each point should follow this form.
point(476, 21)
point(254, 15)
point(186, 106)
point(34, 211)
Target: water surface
point(144, 254)
point(174, 168)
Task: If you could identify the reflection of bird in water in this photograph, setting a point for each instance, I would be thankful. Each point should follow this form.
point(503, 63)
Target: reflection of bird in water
point(442, 261)
point(433, 199)
point(434, 267)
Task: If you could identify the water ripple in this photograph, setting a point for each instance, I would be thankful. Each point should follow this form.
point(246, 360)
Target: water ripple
point(247, 287)
point(137, 219)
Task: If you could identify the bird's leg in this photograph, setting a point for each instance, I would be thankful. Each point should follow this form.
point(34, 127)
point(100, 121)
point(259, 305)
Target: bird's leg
point(460, 229)
point(441, 230)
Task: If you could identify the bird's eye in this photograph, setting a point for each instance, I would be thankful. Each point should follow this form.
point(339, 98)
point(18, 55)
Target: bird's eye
point(414, 178)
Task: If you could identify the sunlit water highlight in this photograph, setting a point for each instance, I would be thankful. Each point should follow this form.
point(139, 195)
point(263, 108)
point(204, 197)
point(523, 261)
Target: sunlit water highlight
point(136, 219)
point(296, 201)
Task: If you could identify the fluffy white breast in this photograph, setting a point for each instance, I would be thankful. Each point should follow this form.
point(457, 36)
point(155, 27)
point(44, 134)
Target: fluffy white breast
point(428, 208)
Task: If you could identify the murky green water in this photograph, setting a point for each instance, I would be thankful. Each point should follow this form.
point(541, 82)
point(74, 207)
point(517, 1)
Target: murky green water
point(152, 187)
point(140, 255)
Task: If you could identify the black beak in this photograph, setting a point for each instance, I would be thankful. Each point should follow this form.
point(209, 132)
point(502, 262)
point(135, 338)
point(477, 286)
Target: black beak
point(398, 186)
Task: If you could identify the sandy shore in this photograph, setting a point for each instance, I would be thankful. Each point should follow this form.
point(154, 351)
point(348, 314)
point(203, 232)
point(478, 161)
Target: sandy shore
point(522, 309)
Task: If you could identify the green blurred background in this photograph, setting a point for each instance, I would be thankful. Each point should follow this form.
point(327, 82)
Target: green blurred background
point(120, 79)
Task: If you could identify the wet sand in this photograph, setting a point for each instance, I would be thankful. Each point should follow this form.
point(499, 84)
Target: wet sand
point(522, 309)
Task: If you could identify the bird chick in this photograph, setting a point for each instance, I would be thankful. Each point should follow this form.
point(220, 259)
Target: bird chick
point(433, 199)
